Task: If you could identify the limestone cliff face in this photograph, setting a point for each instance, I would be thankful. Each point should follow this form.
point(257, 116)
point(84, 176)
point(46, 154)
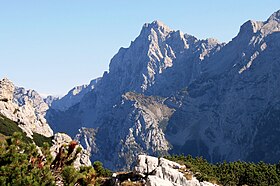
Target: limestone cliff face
point(6, 90)
point(229, 112)
point(136, 126)
point(24, 107)
point(170, 92)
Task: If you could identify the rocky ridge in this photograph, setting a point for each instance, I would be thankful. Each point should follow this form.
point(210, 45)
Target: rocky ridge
point(26, 108)
point(73, 97)
point(220, 97)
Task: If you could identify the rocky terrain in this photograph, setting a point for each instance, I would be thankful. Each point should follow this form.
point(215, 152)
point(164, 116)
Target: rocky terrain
point(73, 97)
point(25, 107)
point(61, 139)
point(169, 92)
point(153, 171)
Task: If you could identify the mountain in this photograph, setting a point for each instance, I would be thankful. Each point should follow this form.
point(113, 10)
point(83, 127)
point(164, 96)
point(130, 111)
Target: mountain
point(169, 92)
point(136, 68)
point(25, 107)
point(73, 97)
point(50, 99)
point(24, 111)
point(230, 112)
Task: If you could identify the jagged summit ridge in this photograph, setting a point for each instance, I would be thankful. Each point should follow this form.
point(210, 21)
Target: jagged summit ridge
point(271, 25)
point(156, 25)
point(74, 96)
point(187, 95)
point(275, 16)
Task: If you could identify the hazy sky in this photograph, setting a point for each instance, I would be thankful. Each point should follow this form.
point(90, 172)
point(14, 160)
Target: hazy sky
point(54, 45)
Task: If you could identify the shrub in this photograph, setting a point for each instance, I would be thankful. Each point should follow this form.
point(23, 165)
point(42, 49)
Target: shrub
point(100, 170)
point(232, 173)
point(21, 164)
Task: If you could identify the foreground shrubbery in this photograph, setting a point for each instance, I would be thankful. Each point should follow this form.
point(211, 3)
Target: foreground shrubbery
point(22, 164)
point(232, 173)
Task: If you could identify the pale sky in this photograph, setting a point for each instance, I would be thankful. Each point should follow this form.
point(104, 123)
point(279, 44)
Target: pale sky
point(51, 46)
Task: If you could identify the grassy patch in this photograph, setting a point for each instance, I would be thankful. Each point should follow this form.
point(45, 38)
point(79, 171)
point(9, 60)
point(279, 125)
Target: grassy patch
point(8, 127)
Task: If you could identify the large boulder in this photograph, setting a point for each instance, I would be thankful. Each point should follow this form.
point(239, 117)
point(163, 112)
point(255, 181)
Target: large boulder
point(163, 172)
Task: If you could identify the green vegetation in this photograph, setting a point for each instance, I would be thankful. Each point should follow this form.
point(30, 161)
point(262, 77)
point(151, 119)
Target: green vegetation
point(40, 139)
point(8, 127)
point(22, 164)
point(100, 171)
point(232, 173)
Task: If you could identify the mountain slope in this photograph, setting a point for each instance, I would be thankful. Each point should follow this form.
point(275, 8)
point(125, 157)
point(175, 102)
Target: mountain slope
point(224, 112)
point(74, 96)
point(137, 68)
point(170, 92)
point(24, 107)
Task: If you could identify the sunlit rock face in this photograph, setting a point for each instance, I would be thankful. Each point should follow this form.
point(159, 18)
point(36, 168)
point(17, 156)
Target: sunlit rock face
point(26, 107)
point(162, 172)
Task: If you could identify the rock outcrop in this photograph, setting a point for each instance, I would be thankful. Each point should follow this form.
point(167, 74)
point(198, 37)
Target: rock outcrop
point(26, 108)
point(61, 139)
point(6, 90)
point(153, 171)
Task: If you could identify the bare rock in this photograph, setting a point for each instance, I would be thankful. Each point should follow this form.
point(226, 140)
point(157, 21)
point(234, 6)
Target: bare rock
point(61, 139)
point(6, 90)
point(163, 172)
point(27, 108)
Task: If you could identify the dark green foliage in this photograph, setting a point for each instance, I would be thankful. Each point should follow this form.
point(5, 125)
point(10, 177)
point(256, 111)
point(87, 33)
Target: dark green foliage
point(100, 170)
point(232, 173)
point(21, 164)
point(84, 176)
point(8, 127)
point(40, 139)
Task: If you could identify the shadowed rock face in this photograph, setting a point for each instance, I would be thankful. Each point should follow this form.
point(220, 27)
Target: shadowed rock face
point(170, 92)
point(135, 126)
point(223, 112)
point(73, 97)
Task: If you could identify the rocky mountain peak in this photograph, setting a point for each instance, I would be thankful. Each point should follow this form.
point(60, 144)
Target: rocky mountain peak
point(157, 25)
point(73, 96)
point(275, 16)
point(249, 28)
point(24, 107)
point(155, 31)
point(264, 28)
point(6, 90)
